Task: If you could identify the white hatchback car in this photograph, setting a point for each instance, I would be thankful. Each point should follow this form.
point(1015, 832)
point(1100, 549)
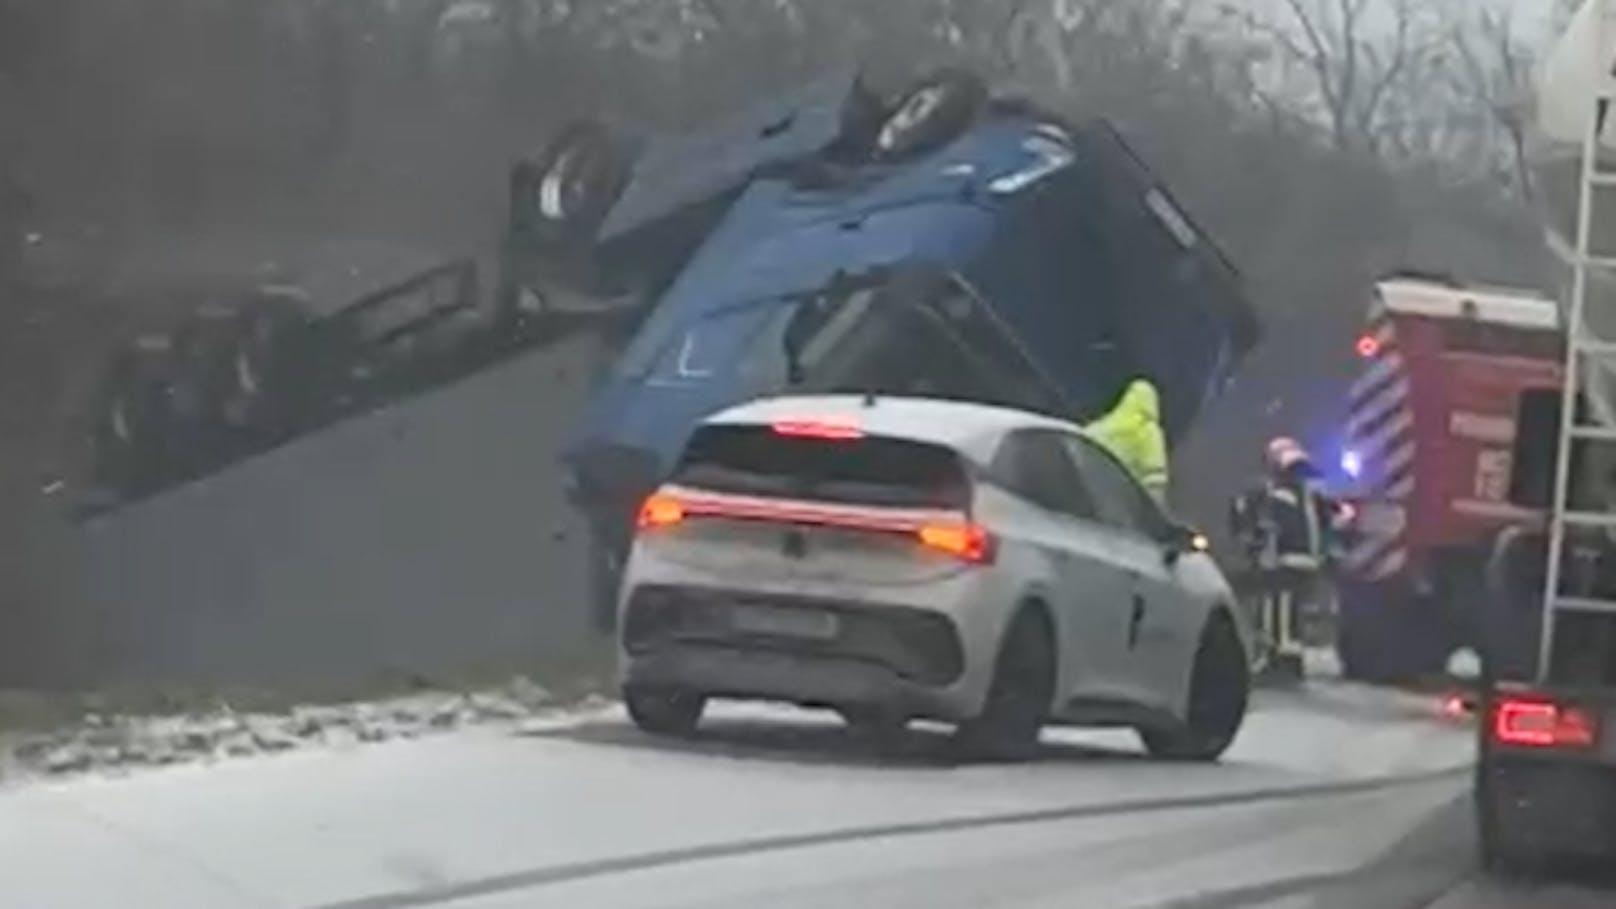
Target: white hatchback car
point(906, 558)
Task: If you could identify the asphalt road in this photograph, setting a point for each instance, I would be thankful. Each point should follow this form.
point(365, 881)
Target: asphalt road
point(1338, 798)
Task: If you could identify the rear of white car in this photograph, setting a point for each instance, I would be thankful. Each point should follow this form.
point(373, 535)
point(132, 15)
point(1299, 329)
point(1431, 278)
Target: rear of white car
point(815, 561)
point(906, 558)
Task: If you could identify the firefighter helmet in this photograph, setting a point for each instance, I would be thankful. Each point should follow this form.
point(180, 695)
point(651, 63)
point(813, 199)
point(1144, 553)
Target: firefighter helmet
point(1285, 452)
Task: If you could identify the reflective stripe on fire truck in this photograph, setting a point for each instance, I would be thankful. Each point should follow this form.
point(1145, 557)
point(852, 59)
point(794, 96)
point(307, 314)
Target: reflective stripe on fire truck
point(1380, 428)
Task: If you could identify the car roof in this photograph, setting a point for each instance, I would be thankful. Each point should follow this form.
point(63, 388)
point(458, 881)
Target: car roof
point(967, 427)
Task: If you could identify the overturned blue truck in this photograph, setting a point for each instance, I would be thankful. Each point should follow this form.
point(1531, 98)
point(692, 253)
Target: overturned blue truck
point(936, 240)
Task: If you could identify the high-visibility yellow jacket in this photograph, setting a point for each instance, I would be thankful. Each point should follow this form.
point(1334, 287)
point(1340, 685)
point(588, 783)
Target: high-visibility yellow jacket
point(1132, 432)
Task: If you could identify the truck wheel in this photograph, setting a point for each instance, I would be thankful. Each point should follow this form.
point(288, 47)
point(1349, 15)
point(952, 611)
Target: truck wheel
point(205, 343)
point(1220, 689)
point(664, 711)
point(929, 113)
point(1350, 651)
point(1017, 701)
point(129, 434)
point(605, 578)
point(265, 361)
point(563, 195)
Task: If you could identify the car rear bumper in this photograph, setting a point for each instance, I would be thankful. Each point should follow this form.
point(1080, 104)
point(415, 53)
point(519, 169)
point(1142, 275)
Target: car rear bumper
point(826, 680)
point(901, 658)
point(1553, 805)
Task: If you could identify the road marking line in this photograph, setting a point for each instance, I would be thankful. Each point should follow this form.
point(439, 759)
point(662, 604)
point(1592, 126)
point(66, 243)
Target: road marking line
point(558, 874)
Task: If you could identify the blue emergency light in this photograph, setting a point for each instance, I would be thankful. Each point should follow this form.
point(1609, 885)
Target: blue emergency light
point(1351, 463)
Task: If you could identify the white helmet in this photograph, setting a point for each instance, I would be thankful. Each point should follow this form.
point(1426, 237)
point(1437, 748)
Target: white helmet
point(1284, 453)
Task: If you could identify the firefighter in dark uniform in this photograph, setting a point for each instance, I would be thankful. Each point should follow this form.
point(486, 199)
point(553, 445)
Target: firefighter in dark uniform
point(1286, 525)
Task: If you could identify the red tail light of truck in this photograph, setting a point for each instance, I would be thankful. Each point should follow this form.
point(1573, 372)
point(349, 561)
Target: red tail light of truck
point(1527, 723)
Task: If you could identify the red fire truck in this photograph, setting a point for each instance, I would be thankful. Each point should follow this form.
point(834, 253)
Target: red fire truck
point(1431, 423)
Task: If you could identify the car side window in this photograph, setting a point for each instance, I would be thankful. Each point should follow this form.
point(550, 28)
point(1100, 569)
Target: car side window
point(1032, 465)
point(1122, 501)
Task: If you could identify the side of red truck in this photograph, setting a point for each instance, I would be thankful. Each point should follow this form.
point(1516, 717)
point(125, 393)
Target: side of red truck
point(1430, 430)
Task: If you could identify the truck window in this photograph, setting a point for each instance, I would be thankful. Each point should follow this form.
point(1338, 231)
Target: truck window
point(754, 460)
point(948, 346)
point(710, 346)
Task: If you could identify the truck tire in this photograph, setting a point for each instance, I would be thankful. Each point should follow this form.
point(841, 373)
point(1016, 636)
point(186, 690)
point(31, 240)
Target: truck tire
point(129, 434)
point(929, 113)
point(269, 354)
point(605, 580)
point(562, 196)
point(200, 436)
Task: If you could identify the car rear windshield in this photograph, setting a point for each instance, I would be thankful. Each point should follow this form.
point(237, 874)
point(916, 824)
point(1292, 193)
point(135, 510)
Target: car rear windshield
point(755, 460)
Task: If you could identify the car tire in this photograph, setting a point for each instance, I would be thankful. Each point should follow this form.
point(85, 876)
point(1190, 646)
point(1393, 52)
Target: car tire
point(878, 725)
point(664, 711)
point(1220, 690)
point(929, 113)
point(1017, 701)
point(562, 196)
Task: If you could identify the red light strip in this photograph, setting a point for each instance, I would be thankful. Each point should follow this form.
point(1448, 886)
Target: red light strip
point(817, 429)
point(754, 510)
point(950, 532)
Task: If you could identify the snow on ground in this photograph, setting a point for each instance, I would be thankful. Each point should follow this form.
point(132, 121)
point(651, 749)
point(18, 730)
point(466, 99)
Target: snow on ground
point(324, 824)
point(1327, 726)
point(120, 743)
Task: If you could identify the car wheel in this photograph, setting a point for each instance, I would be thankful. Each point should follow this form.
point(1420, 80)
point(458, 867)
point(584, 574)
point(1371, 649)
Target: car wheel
point(563, 195)
point(1018, 697)
point(879, 725)
point(1220, 688)
point(664, 711)
point(929, 113)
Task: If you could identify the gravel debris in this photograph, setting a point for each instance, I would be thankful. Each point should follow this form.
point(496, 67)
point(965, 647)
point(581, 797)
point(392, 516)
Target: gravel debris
point(102, 742)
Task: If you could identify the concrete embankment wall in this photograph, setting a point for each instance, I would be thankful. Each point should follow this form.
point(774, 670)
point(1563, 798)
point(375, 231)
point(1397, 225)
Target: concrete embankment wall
point(429, 538)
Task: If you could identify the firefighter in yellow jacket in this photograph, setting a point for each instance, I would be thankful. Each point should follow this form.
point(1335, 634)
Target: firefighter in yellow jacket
point(1132, 432)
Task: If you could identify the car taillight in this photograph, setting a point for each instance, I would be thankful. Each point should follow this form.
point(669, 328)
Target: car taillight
point(660, 511)
point(967, 542)
point(1542, 724)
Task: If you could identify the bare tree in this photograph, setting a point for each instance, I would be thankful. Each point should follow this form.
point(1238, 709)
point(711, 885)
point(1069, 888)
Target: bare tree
point(1492, 71)
point(1353, 64)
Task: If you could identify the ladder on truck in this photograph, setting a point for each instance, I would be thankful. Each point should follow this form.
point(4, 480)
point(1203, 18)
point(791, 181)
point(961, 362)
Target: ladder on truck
point(1589, 358)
